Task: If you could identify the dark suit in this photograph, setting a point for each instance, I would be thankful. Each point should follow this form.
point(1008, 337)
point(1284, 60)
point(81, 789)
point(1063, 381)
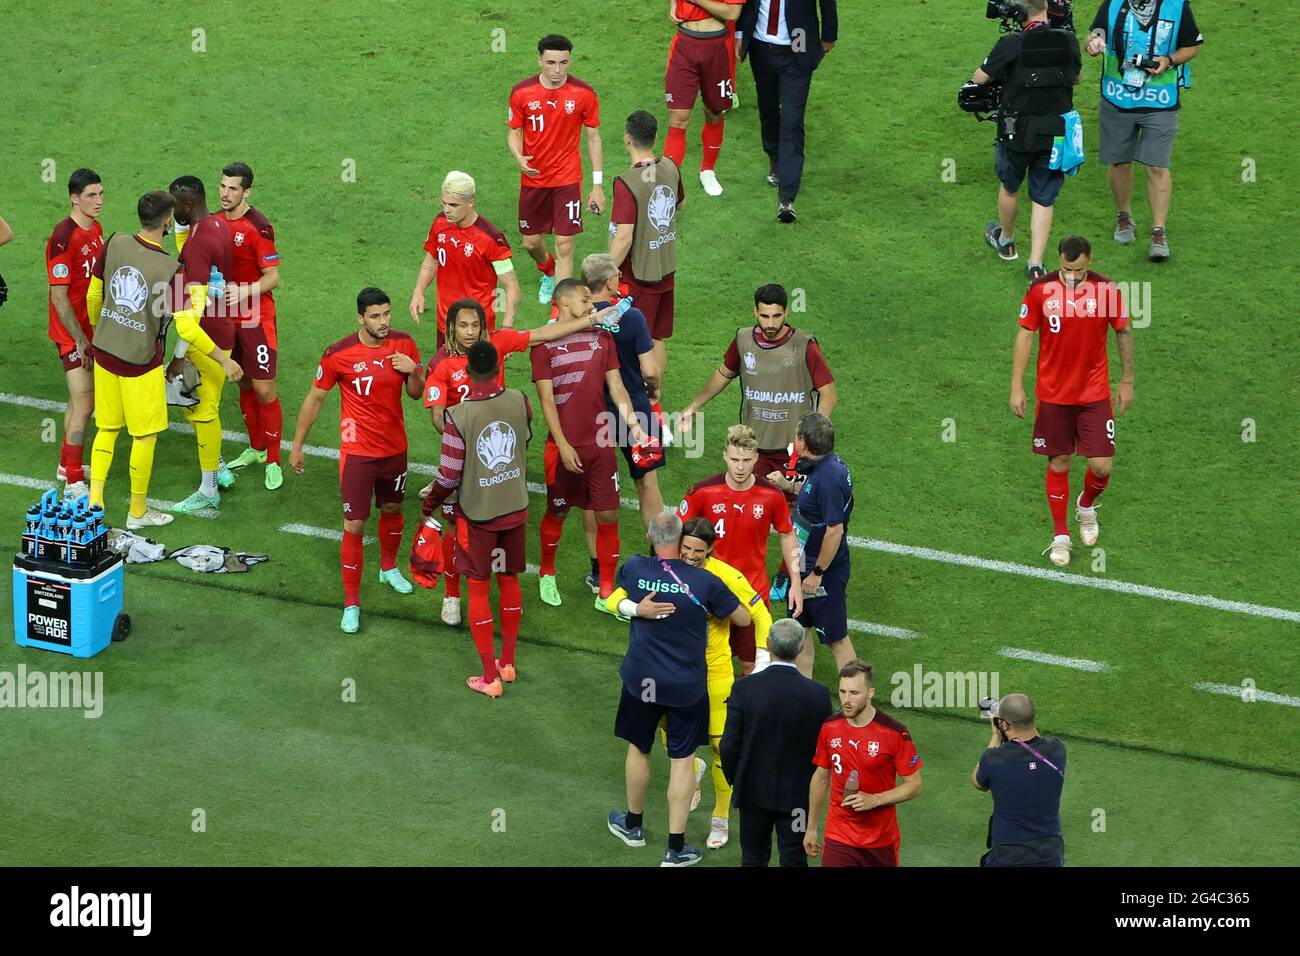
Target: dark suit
point(782, 77)
point(773, 719)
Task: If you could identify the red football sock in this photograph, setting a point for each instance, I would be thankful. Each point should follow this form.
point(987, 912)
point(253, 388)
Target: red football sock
point(480, 627)
point(547, 268)
point(1093, 485)
point(512, 609)
point(451, 578)
point(390, 539)
point(607, 555)
point(552, 525)
point(675, 145)
point(711, 144)
point(250, 408)
point(352, 556)
point(70, 459)
point(1058, 498)
point(270, 420)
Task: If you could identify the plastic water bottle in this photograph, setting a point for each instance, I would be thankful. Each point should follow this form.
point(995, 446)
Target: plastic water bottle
point(851, 785)
point(79, 530)
point(216, 284)
point(33, 520)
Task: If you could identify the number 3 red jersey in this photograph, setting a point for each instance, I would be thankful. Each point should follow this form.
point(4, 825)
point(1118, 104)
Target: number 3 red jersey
point(371, 423)
point(743, 520)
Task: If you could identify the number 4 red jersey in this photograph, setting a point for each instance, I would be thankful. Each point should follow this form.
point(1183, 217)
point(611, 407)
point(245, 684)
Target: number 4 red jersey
point(371, 423)
point(743, 520)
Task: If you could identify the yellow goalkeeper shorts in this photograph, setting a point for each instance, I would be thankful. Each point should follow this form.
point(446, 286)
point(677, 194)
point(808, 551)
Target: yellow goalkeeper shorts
point(137, 403)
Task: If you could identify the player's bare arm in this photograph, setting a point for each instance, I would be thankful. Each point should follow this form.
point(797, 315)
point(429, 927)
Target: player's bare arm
point(622, 401)
point(596, 153)
point(819, 797)
point(237, 294)
point(791, 555)
point(907, 790)
point(515, 142)
point(1124, 394)
point(621, 242)
point(1020, 362)
point(830, 545)
point(307, 415)
point(63, 305)
point(740, 616)
point(401, 362)
point(428, 269)
point(439, 416)
point(827, 396)
point(650, 373)
point(510, 282)
point(562, 327)
point(569, 457)
point(6, 233)
point(717, 382)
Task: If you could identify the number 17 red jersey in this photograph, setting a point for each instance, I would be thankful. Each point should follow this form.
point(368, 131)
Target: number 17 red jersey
point(371, 423)
point(743, 520)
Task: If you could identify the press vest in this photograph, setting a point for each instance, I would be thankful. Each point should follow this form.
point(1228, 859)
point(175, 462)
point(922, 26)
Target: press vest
point(775, 386)
point(496, 433)
point(1126, 37)
point(136, 311)
point(654, 235)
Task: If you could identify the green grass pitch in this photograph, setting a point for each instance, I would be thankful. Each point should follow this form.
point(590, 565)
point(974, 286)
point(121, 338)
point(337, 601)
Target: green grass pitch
point(228, 696)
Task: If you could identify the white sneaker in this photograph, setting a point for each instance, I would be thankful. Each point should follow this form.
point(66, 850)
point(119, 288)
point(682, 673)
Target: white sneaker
point(1089, 530)
point(451, 611)
point(1060, 549)
point(426, 490)
point(76, 489)
point(719, 833)
point(150, 519)
point(709, 180)
point(700, 767)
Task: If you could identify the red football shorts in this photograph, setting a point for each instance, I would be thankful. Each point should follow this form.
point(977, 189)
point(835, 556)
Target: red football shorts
point(361, 478)
point(255, 349)
point(657, 307)
point(1087, 430)
point(698, 64)
point(480, 553)
point(550, 211)
point(596, 489)
point(842, 854)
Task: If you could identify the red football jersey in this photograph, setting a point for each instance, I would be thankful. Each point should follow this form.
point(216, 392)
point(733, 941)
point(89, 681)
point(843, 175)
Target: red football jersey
point(210, 245)
point(576, 366)
point(552, 121)
point(1072, 324)
point(371, 420)
point(463, 258)
point(447, 384)
point(71, 255)
point(254, 247)
point(693, 11)
point(879, 752)
point(743, 521)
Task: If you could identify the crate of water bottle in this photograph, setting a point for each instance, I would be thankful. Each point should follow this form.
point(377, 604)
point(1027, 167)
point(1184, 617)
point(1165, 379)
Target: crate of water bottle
point(68, 531)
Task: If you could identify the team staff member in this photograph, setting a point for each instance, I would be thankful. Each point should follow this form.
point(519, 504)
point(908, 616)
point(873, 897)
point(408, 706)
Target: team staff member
point(448, 383)
point(783, 374)
point(204, 244)
point(249, 299)
point(698, 538)
point(1026, 773)
point(493, 501)
point(665, 678)
point(548, 116)
point(1139, 107)
point(700, 61)
point(131, 311)
point(372, 368)
point(6, 235)
point(643, 223)
point(861, 752)
point(821, 520)
point(1070, 311)
point(467, 255)
point(74, 250)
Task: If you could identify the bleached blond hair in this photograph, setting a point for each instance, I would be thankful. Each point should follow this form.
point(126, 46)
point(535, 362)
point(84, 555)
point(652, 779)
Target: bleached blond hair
point(742, 437)
point(459, 184)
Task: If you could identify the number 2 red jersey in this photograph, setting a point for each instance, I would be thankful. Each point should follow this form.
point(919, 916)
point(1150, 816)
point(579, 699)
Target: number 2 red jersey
point(447, 384)
point(1072, 324)
point(743, 520)
point(552, 121)
point(880, 752)
point(371, 420)
point(70, 259)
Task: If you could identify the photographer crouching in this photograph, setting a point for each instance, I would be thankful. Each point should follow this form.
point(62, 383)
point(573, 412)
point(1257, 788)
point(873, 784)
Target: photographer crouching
point(1039, 135)
point(1026, 773)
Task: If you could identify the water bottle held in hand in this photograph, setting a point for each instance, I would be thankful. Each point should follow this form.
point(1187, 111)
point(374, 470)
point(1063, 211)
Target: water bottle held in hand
point(851, 785)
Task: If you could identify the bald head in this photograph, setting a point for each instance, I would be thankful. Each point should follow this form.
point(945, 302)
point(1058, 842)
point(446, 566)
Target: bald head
point(1017, 710)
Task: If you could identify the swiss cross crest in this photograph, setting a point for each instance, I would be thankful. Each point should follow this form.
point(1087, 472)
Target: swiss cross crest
point(442, 237)
point(359, 367)
point(469, 249)
point(835, 743)
point(534, 104)
point(1052, 305)
point(570, 106)
point(758, 512)
point(457, 375)
point(720, 509)
point(85, 250)
point(873, 747)
point(239, 238)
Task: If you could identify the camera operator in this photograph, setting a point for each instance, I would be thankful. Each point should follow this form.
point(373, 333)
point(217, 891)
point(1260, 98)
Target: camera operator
point(1039, 67)
point(1147, 45)
point(1026, 773)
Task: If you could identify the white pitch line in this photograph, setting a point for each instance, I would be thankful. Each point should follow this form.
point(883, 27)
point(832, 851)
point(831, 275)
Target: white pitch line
point(867, 544)
point(1235, 690)
point(1077, 663)
point(40, 484)
point(884, 630)
point(312, 531)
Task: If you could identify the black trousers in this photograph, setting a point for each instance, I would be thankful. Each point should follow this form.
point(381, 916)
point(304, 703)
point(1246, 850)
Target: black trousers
point(782, 86)
point(756, 836)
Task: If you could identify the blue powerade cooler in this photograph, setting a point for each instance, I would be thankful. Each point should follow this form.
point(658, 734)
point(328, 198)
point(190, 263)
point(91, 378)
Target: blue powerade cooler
point(70, 609)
